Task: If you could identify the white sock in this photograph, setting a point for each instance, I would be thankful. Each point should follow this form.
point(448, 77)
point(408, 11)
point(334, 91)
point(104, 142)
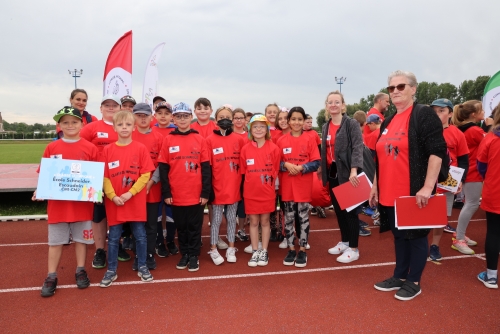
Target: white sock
point(491, 273)
point(346, 243)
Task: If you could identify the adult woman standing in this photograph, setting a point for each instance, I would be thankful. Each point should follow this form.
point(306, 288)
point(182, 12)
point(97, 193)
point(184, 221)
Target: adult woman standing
point(409, 153)
point(78, 100)
point(341, 134)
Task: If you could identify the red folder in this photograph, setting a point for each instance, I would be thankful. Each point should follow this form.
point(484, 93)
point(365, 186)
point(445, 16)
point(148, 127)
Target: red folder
point(348, 196)
point(410, 216)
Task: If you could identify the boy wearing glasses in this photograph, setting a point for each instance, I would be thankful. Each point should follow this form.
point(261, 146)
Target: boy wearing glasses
point(186, 179)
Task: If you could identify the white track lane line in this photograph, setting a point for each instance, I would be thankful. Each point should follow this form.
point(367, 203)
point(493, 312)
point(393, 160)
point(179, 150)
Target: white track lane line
point(209, 278)
point(207, 236)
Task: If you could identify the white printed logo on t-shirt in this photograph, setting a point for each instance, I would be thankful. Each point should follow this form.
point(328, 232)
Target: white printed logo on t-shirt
point(218, 150)
point(114, 164)
point(102, 135)
point(174, 149)
point(287, 150)
point(250, 162)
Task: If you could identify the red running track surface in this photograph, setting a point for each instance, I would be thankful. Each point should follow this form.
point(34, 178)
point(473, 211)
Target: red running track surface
point(326, 296)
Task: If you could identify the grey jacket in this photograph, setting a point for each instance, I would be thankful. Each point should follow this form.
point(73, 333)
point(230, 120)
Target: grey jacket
point(342, 144)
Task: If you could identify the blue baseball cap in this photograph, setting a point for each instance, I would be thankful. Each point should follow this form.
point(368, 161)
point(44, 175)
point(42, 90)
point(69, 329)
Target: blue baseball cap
point(181, 107)
point(443, 103)
point(373, 119)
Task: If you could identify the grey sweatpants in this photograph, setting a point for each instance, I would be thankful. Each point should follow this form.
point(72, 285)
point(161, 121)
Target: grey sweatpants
point(472, 193)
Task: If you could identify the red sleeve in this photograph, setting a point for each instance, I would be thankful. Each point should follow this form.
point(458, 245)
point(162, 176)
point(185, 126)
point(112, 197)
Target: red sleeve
point(313, 151)
point(277, 160)
point(482, 152)
point(477, 135)
point(104, 158)
point(204, 156)
point(163, 157)
point(209, 150)
point(243, 163)
point(147, 164)
point(462, 148)
point(86, 132)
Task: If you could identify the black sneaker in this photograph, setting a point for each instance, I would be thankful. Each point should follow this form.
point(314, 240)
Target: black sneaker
point(290, 258)
point(183, 262)
point(242, 236)
point(172, 248)
point(408, 291)
point(321, 212)
point(301, 260)
point(99, 261)
point(194, 264)
point(389, 284)
point(82, 280)
point(123, 256)
point(151, 262)
point(161, 250)
point(49, 287)
point(362, 224)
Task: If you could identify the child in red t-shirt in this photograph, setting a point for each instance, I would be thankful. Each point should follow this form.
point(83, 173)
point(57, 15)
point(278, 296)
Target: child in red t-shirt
point(203, 110)
point(127, 170)
point(299, 158)
point(186, 180)
point(459, 157)
point(163, 113)
point(271, 112)
point(224, 149)
point(68, 217)
point(152, 140)
point(259, 163)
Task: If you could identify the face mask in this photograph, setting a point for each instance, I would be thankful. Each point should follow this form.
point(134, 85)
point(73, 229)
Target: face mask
point(225, 124)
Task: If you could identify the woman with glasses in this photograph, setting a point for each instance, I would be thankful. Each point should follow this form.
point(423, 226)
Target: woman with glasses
point(341, 135)
point(409, 152)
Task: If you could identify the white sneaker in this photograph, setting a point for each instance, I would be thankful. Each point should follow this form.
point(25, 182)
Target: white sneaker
point(308, 246)
point(214, 254)
point(231, 254)
point(283, 244)
point(338, 249)
point(348, 256)
point(254, 259)
point(462, 247)
point(263, 258)
point(221, 244)
point(248, 249)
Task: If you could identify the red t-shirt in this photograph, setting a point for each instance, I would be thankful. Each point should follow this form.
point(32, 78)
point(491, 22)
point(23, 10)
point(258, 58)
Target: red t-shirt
point(260, 167)
point(330, 143)
point(489, 153)
point(163, 131)
point(314, 135)
point(299, 151)
point(153, 141)
point(243, 135)
point(372, 111)
point(371, 139)
point(275, 134)
point(70, 211)
point(393, 157)
point(99, 133)
point(224, 154)
point(204, 130)
point(184, 154)
point(123, 165)
point(474, 135)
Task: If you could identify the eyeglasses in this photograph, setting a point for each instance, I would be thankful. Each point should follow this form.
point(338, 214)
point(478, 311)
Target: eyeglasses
point(400, 87)
point(239, 118)
point(182, 116)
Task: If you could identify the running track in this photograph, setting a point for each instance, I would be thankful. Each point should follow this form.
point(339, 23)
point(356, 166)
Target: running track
point(326, 296)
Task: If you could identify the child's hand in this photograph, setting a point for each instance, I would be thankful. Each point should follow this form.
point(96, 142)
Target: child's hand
point(34, 199)
point(292, 169)
point(149, 185)
point(203, 201)
point(118, 201)
point(126, 196)
point(169, 201)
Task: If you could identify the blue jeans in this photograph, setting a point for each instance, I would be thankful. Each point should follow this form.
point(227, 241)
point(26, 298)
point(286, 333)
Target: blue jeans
point(115, 232)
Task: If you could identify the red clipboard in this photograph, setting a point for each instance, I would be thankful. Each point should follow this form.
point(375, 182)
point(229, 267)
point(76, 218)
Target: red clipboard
point(410, 216)
point(350, 197)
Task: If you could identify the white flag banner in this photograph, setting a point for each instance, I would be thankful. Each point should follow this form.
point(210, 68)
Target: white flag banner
point(491, 96)
point(150, 87)
point(118, 69)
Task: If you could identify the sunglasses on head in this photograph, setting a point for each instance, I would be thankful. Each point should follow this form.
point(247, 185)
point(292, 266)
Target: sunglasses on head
point(400, 87)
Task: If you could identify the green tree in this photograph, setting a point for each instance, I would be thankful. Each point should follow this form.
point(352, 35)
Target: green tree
point(472, 89)
point(320, 119)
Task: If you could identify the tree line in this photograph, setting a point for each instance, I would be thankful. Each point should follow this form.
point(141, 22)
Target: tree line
point(426, 93)
point(26, 128)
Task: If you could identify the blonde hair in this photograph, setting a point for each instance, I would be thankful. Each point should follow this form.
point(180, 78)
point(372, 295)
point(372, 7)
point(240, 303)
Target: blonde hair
point(496, 118)
point(343, 109)
point(224, 108)
point(272, 105)
point(277, 122)
point(268, 133)
point(463, 111)
point(123, 115)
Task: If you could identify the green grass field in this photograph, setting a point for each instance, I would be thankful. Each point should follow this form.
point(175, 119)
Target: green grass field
point(22, 151)
point(20, 204)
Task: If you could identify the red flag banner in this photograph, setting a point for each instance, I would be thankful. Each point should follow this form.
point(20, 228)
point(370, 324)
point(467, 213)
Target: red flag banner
point(118, 69)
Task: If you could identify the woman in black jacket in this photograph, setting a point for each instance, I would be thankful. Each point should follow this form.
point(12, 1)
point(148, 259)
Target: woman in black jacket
point(409, 152)
point(336, 169)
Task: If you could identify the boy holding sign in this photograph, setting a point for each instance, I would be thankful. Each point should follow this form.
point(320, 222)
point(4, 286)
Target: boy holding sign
point(127, 169)
point(75, 218)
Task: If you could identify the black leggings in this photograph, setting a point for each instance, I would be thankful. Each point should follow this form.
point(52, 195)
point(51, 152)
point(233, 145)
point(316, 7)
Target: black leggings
point(492, 244)
point(348, 221)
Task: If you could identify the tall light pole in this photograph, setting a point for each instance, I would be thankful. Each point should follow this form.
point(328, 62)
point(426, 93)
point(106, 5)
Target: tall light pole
point(340, 82)
point(75, 74)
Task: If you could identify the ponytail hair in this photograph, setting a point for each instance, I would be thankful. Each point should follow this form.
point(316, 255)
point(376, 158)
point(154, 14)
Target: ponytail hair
point(463, 111)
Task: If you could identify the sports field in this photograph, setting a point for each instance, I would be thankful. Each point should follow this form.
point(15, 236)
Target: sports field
point(22, 151)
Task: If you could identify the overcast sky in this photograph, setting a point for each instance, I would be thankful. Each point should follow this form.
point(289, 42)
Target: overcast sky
point(245, 53)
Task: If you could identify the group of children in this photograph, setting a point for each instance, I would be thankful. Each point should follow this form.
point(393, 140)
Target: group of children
point(239, 165)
